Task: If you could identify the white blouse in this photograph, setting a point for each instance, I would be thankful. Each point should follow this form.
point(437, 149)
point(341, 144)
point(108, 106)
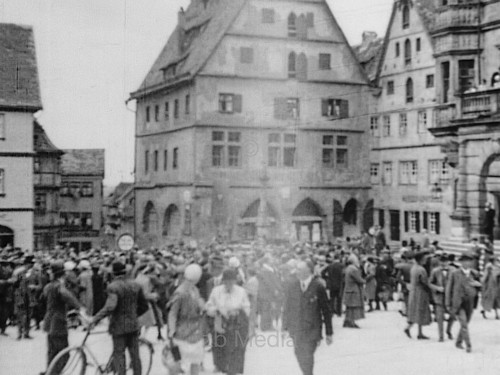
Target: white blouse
point(225, 303)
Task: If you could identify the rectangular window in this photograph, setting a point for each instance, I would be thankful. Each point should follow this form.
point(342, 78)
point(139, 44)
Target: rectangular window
point(374, 131)
point(167, 110)
point(387, 126)
point(148, 114)
point(165, 160)
point(335, 108)
point(246, 55)
point(176, 108)
point(281, 150)
point(390, 87)
point(292, 108)
point(413, 221)
point(419, 44)
point(36, 165)
point(267, 15)
point(175, 161)
point(325, 61)
point(289, 150)
point(387, 173)
point(374, 175)
point(155, 160)
point(434, 222)
point(403, 124)
point(234, 149)
point(87, 189)
point(226, 103)
point(2, 126)
point(188, 104)
point(439, 172)
point(342, 152)
point(157, 113)
point(217, 155)
point(429, 81)
point(397, 50)
point(466, 75)
point(408, 173)
point(422, 121)
point(40, 204)
point(328, 151)
point(146, 161)
point(445, 74)
point(2, 182)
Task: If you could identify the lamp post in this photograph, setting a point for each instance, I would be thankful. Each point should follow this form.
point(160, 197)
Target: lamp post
point(262, 221)
point(187, 212)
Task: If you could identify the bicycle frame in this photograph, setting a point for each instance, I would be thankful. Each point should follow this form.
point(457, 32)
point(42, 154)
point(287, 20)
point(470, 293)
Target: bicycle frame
point(101, 368)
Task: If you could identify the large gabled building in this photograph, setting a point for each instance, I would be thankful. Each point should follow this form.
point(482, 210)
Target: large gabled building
point(19, 100)
point(412, 182)
point(253, 109)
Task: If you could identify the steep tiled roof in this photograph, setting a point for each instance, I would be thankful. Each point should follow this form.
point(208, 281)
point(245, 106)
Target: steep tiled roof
point(83, 162)
point(369, 54)
point(18, 68)
point(202, 30)
point(42, 142)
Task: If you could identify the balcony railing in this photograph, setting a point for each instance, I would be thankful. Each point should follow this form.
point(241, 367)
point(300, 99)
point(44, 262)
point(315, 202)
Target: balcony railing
point(457, 17)
point(444, 114)
point(481, 103)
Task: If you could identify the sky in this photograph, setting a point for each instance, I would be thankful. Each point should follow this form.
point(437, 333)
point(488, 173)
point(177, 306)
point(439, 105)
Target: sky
point(92, 53)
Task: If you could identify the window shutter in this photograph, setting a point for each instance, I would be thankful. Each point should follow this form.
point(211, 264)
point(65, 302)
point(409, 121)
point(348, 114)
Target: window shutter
point(324, 107)
point(302, 27)
point(407, 226)
point(280, 108)
point(310, 19)
point(237, 103)
point(417, 226)
point(344, 109)
point(426, 220)
point(438, 223)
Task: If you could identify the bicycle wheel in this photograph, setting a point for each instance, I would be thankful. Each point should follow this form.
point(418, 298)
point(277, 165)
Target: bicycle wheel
point(70, 361)
point(146, 352)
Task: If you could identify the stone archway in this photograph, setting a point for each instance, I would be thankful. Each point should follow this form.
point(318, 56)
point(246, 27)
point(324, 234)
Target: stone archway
point(6, 237)
point(308, 219)
point(249, 220)
point(488, 192)
point(172, 223)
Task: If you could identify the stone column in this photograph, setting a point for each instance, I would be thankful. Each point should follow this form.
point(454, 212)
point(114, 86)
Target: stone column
point(461, 216)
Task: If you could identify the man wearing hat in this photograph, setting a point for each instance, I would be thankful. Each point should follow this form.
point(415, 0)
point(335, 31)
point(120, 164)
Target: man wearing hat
point(125, 303)
point(5, 286)
point(437, 282)
point(22, 298)
point(461, 291)
point(58, 299)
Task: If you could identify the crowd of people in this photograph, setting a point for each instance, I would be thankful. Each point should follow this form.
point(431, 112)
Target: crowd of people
point(218, 298)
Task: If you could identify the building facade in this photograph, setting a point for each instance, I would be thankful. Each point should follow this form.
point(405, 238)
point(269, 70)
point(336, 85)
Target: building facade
point(47, 185)
point(119, 213)
point(19, 100)
point(412, 183)
point(253, 109)
point(81, 198)
point(467, 53)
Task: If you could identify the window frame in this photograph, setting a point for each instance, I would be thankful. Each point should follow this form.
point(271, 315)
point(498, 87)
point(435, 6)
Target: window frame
point(386, 126)
point(325, 61)
point(390, 87)
point(422, 121)
point(403, 124)
point(374, 126)
point(387, 170)
point(2, 183)
point(408, 168)
point(374, 173)
point(3, 126)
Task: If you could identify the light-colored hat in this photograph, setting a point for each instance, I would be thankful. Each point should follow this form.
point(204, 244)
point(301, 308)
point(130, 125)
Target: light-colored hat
point(193, 273)
point(234, 262)
point(69, 265)
point(84, 265)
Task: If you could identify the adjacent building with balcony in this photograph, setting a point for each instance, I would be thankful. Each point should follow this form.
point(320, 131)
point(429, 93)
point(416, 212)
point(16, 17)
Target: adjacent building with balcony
point(252, 122)
point(47, 185)
point(81, 198)
point(467, 35)
point(19, 100)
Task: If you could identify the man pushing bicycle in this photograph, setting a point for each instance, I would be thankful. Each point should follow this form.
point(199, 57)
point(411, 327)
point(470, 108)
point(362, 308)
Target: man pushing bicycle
point(125, 303)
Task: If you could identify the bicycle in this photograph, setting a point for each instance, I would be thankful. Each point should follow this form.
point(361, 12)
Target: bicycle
point(73, 360)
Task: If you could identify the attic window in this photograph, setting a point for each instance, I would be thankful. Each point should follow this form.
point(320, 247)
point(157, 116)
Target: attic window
point(406, 17)
point(170, 71)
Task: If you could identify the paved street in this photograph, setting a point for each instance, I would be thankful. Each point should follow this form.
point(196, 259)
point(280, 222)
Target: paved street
point(380, 347)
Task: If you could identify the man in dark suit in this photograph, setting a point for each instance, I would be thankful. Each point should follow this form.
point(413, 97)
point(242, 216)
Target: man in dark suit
point(58, 298)
point(269, 294)
point(437, 282)
point(460, 293)
point(333, 275)
point(306, 311)
point(125, 303)
point(380, 241)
